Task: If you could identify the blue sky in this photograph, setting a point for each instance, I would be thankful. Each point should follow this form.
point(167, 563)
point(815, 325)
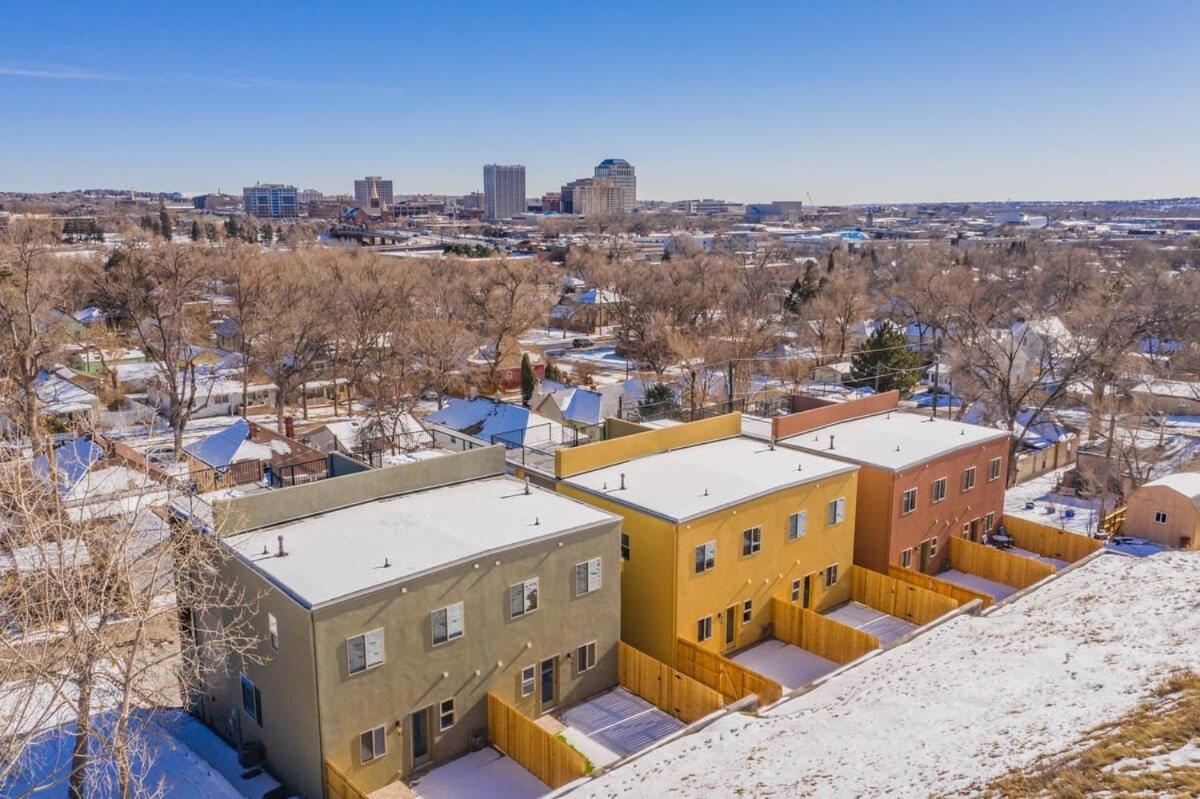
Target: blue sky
point(844, 101)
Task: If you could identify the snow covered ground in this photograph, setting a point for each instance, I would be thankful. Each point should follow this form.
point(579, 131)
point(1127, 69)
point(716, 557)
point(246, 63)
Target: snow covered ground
point(482, 773)
point(995, 590)
point(1050, 507)
point(957, 706)
point(788, 665)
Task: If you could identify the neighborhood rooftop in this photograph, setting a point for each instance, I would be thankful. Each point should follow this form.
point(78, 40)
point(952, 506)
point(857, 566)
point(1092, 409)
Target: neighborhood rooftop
point(354, 549)
point(894, 440)
point(697, 480)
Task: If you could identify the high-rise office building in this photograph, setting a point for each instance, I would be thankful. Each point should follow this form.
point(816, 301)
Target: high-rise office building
point(503, 191)
point(270, 201)
point(594, 197)
point(373, 192)
point(620, 172)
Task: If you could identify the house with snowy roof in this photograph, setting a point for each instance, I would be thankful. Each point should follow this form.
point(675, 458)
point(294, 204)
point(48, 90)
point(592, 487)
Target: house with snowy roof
point(92, 484)
point(1046, 444)
point(470, 423)
point(585, 311)
point(1167, 511)
point(574, 406)
point(63, 399)
point(246, 453)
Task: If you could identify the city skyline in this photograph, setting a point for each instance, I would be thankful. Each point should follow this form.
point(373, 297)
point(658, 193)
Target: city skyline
point(845, 103)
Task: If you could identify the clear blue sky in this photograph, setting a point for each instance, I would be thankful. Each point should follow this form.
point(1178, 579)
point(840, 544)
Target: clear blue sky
point(846, 101)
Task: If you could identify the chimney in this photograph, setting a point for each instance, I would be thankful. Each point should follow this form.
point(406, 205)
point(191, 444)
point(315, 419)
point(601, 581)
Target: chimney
point(282, 552)
point(831, 442)
point(289, 426)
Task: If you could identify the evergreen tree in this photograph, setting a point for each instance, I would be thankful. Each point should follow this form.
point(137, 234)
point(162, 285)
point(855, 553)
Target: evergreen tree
point(266, 234)
point(231, 228)
point(659, 396)
point(197, 233)
point(804, 289)
point(210, 232)
point(528, 379)
point(885, 363)
point(165, 227)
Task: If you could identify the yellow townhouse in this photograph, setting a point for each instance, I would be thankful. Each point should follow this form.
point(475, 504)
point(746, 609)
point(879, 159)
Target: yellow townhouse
point(715, 525)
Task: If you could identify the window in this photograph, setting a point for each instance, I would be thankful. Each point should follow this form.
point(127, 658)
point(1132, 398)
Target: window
point(373, 744)
point(966, 531)
point(797, 525)
point(939, 490)
point(837, 511)
point(528, 674)
point(747, 611)
point(752, 541)
point(587, 576)
point(968, 478)
point(273, 631)
point(704, 629)
point(585, 657)
point(706, 557)
point(523, 598)
point(365, 651)
point(796, 590)
point(908, 503)
point(933, 547)
point(1160, 517)
point(993, 469)
point(446, 714)
point(624, 546)
point(906, 559)
point(447, 623)
point(988, 521)
point(831, 576)
point(251, 700)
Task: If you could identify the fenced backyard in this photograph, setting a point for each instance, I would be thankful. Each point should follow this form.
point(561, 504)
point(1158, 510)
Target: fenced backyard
point(669, 690)
point(732, 680)
point(551, 760)
point(1050, 542)
point(898, 598)
point(997, 565)
point(825, 637)
point(960, 594)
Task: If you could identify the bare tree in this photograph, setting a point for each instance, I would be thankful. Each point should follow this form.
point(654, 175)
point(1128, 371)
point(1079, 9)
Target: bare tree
point(505, 302)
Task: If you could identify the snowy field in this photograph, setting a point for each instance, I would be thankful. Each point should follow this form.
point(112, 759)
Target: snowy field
point(482, 773)
point(957, 706)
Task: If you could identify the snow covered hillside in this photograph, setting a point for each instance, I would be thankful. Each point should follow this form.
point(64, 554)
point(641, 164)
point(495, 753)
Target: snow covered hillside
point(958, 706)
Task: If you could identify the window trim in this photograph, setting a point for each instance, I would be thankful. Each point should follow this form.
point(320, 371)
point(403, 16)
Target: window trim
point(905, 506)
point(704, 628)
point(836, 512)
point(453, 713)
point(933, 490)
point(933, 547)
point(587, 566)
point(273, 631)
point(906, 558)
point(446, 609)
point(797, 525)
point(524, 586)
point(584, 648)
point(709, 562)
point(1164, 516)
point(754, 541)
point(989, 521)
point(797, 588)
point(532, 669)
point(825, 575)
point(970, 470)
point(255, 697)
point(375, 754)
point(747, 611)
point(367, 665)
point(994, 462)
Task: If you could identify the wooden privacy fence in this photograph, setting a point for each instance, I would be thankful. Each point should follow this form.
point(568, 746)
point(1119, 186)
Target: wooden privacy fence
point(996, 564)
point(338, 785)
point(958, 593)
point(898, 598)
point(551, 760)
point(1114, 523)
point(1050, 542)
point(731, 680)
point(822, 636)
point(669, 690)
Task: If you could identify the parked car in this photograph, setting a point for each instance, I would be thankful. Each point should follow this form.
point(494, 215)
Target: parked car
point(581, 342)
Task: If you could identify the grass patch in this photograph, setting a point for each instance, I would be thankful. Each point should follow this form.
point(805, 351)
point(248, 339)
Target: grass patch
point(1129, 757)
point(588, 766)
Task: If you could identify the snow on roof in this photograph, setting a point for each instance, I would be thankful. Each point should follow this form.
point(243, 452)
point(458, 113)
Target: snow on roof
point(72, 460)
point(47, 555)
point(342, 552)
point(496, 422)
point(1185, 483)
point(89, 315)
point(234, 445)
point(894, 440)
point(1178, 389)
point(694, 481)
point(59, 395)
point(1077, 653)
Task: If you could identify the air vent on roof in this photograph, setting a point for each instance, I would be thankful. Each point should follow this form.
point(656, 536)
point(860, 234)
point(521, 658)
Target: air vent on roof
point(622, 481)
point(831, 442)
point(282, 552)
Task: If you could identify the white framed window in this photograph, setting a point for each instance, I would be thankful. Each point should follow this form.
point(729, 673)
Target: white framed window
point(993, 469)
point(587, 576)
point(797, 525)
point(585, 657)
point(938, 490)
point(908, 502)
point(372, 743)
point(966, 531)
point(796, 589)
point(447, 623)
point(445, 714)
point(528, 675)
point(706, 557)
point(364, 651)
point(837, 511)
point(704, 629)
point(968, 480)
point(273, 631)
point(251, 700)
point(747, 611)
point(523, 598)
point(906, 559)
point(831, 575)
point(988, 522)
point(751, 541)
point(933, 544)
point(1160, 517)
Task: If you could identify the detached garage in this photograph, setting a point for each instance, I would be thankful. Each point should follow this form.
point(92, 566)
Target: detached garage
point(1167, 511)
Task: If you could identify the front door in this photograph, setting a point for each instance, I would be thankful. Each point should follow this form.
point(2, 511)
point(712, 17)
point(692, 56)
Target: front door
point(730, 633)
point(924, 556)
point(420, 736)
point(547, 693)
point(806, 598)
point(975, 529)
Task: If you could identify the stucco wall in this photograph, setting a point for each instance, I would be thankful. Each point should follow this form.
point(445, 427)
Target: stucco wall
point(1183, 520)
point(605, 453)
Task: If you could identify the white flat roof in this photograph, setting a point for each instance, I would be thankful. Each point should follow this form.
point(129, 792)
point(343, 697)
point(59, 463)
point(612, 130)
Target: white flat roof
point(342, 552)
point(894, 440)
point(694, 481)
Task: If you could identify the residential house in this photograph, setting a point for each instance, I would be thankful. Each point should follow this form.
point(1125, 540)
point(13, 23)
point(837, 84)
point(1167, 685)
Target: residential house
point(1045, 444)
point(355, 436)
point(390, 602)
point(837, 373)
point(572, 406)
point(470, 423)
point(716, 525)
point(1167, 397)
point(1167, 511)
point(217, 394)
point(246, 453)
point(64, 402)
point(585, 311)
point(92, 484)
point(922, 480)
point(508, 370)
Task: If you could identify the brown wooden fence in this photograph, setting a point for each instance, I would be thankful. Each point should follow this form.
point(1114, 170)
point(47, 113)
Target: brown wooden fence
point(338, 785)
point(551, 760)
point(1050, 542)
point(958, 593)
point(898, 598)
point(1114, 523)
point(822, 636)
point(994, 564)
point(669, 690)
point(731, 679)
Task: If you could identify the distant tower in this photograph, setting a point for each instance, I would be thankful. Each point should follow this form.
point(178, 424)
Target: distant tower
point(503, 190)
point(620, 172)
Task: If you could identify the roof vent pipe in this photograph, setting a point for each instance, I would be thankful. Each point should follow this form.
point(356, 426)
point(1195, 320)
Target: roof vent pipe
point(537, 520)
point(622, 481)
point(706, 492)
point(387, 564)
point(282, 552)
point(772, 444)
point(831, 442)
point(527, 491)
